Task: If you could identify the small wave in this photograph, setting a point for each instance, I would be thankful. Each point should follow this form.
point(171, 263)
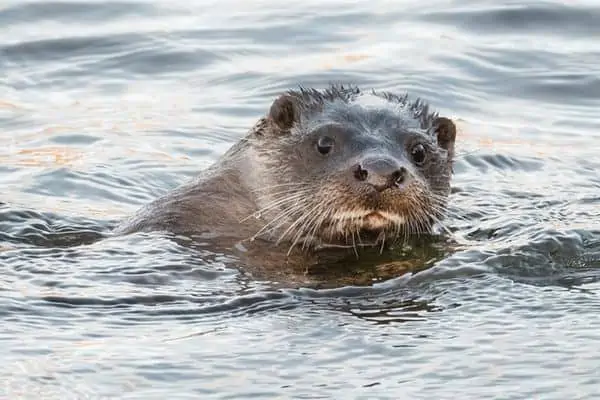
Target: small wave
point(550, 257)
point(549, 19)
point(484, 162)
point(61, 11)
point(33, 228)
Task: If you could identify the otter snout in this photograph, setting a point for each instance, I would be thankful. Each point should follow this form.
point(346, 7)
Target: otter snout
point(380, 172)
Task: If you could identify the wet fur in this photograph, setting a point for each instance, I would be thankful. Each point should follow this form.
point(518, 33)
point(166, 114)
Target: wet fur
point(273, 186)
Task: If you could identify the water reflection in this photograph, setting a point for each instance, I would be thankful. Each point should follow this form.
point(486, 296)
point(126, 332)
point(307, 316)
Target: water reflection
point(104, 106)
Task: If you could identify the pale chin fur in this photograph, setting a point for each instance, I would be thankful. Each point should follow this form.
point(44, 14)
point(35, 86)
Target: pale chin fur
point(379, 219)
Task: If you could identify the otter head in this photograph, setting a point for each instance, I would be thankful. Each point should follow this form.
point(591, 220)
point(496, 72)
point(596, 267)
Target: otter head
point(345, 167)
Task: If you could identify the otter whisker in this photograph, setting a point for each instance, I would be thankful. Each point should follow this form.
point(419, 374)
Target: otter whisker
point(354, 245)
point(411, 226)
point(419, 220)
point(285, 202)
point(405, 233)
point(441, 225)
point(452, 213)
point(276, 195)
point(283, 193)
point(286, 188)
point(286, 212)
point(280, 218)
point(328, 210)
point(311, 216)
point(297, 221)
point(438, 210)
point(360, 241)
point(401, 232)
point(449, 213)
point(318, 223)
point(303, 230)
point(444, 212)
point(382, 242)
point(273, 204)
point(425, 223)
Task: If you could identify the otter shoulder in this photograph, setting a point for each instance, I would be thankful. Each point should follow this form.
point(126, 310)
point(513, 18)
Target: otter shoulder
point(215, 204)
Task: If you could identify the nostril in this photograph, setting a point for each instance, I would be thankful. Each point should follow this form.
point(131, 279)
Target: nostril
point(399, 176)
point(360, 173)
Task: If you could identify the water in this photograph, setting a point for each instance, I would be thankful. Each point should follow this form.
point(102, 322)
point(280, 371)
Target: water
point(104, 105)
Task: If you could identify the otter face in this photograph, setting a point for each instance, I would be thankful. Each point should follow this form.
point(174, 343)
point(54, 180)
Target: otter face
point(352, 168)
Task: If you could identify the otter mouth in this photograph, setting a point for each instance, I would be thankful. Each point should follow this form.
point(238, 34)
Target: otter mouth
point(372, 220)
point(361, 228)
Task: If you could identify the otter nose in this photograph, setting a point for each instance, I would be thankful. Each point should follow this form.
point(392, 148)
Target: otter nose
point(381, 173)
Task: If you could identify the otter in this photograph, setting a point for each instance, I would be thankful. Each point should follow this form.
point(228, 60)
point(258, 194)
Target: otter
point(333, 168)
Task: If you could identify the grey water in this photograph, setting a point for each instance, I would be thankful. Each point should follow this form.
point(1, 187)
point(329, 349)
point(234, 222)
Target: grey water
point(105, 105)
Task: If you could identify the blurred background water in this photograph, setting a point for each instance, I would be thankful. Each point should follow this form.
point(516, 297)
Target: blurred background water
point(105, 105)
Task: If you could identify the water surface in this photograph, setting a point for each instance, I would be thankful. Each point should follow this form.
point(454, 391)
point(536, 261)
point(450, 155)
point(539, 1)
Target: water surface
point(105, 105)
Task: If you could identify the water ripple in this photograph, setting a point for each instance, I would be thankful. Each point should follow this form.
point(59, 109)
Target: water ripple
point(105, 105)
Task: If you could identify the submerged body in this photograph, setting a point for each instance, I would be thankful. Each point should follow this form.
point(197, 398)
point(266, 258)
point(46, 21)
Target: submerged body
point(322, 169)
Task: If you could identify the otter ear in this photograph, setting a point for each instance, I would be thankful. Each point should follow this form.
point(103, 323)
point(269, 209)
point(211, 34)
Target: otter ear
point(283, 112)
point(446, 133)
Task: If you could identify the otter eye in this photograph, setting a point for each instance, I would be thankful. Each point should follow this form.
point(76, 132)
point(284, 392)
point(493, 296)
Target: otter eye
point(324, 145)
point(418, 154)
